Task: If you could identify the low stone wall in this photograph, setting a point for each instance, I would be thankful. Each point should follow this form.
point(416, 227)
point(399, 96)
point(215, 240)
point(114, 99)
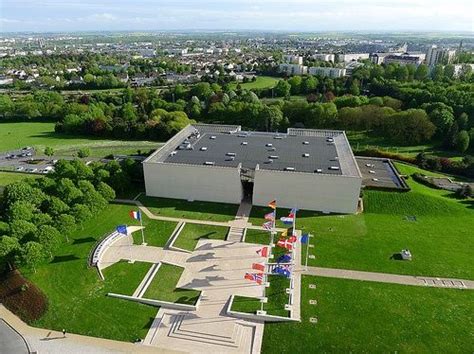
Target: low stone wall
point(174, 236)
point(157, 303)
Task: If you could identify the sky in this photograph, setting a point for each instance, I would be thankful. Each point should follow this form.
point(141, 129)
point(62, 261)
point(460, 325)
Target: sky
point(284, 15)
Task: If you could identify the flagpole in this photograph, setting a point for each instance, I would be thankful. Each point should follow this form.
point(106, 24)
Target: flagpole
point(130, 246)
point(307, 252)
point(141, 225)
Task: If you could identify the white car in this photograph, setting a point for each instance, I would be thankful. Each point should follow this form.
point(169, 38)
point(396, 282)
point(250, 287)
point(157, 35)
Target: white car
point(19, 168)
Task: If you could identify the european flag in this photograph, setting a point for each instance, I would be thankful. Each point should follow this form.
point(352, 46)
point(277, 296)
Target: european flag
point(122, 229)
point(304, 238)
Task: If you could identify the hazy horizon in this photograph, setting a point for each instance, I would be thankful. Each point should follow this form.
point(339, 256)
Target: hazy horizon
point(245, 15)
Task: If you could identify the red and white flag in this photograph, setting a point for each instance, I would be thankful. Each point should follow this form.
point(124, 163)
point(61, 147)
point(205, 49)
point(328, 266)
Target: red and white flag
point(285, 244)
point(256, 277)
point(259, 266)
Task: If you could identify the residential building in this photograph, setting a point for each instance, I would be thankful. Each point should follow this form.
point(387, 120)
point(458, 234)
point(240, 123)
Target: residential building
point(327, 72)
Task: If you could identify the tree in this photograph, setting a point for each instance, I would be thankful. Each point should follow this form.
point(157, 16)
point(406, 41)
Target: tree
point(295, 83)
point(437, 73)
point(83, 153)
point(8, 247)
point(129, 113)
point(49, 151)
point(66, 224)
point(22, 229)
point(354, 89)
point(81, 213)
point(462, 141)
point(202, 90)
point(31, 254)
point(282, 89)
point(49, 237)
point(449, 71)
point(422, 72)
point(21, 210)
point(22, 191)
point(68, 191)
point(56, 207)
point(106, 191)
point(309, 84)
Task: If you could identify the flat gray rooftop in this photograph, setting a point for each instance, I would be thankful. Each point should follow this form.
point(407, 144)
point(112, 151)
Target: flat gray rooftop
point(270, 151)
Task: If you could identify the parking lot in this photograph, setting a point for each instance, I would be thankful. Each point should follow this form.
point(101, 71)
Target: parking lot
point(379, 172)
point(25, 160)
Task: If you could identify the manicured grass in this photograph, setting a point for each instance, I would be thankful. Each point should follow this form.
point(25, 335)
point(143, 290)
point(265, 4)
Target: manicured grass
point(41, 134)
point(77, 296)
point(440, 240)
point(11, 177)
point(277, 298)
point(189, 237)
point(156, 232)
point(261, 237)
point(163, 286)
point(179, 208)
point(355, 316)
point(260, 83)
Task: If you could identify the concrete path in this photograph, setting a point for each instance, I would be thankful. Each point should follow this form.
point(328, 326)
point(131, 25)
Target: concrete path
point(11, 341)
point(45, 341)
point(389, 278)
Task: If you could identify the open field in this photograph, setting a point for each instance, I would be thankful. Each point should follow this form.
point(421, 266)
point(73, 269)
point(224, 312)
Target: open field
point(77, 296)
point(355, 316)
point(163, 286)
point(262, 82)
point(440, 236)
point(179, 208)
point(41, 134)
point(157, 232)
point(189, 237)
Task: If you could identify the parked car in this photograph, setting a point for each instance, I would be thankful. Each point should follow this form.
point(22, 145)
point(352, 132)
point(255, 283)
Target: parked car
point(19, 168)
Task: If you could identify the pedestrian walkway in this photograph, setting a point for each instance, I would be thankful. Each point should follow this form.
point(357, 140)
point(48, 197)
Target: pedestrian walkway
point(390, 278)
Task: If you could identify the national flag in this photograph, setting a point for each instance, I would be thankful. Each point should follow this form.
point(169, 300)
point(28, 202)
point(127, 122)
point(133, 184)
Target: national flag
point(135, 214)
point(259, 266)
point(304, 238)
point(282, 270)
point(263, 251)
point(288, 220)
point(122, 229)
point(256, 277)
point(292, 239)
point(293, 211)
point(284, 233)
point(268, 225)
point(270, 216)
point(284, 258)
point(285, 244)
point(273, 204)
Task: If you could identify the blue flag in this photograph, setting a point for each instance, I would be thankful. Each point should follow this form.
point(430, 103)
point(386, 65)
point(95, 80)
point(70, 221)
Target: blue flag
point(122, 229)
point(282, 270)
point(284, 258)
point(304, 238)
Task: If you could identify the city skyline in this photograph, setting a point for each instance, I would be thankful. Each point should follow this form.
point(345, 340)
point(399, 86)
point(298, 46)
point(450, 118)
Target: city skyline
point(299, 15)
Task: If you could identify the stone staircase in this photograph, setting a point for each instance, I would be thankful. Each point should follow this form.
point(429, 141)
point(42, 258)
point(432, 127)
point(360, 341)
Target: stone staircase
point(236, 234)
point(184, 331)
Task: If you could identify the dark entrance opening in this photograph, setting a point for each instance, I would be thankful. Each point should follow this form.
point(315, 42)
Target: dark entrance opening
point(248, 190)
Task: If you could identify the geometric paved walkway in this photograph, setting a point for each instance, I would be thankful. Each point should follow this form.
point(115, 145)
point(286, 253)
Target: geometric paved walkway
point(390, 278)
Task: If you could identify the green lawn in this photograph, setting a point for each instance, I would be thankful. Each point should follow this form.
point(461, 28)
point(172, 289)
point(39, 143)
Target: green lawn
point(41, 134)
point(77, 296)
point(163, 286)
point(156, 232)
point(179, 208)
point(261, 237)
point(366, 317)
point(191, 233)
point(441, 238)
point(261, 82)
point(12, 177)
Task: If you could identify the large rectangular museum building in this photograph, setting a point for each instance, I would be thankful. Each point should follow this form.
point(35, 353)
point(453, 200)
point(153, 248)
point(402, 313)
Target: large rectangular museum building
point(307, 169)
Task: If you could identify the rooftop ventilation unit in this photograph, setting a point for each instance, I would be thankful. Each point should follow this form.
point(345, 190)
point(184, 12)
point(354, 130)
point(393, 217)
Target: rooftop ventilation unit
point(230, 158)
point(244, 143)
point(273, 157)
point(204, 148)
point(269, 145)
point(330, 140)
point(230, 154)
point(318, 170)
point(305, 142)
point(279, 137)
point(334, 168)
point(209, 163)
point(272, 149)
point(173, 153)
point(243, 135)
point(269, 161)
point(305, 155)
point(289, 168)
point(212, 137)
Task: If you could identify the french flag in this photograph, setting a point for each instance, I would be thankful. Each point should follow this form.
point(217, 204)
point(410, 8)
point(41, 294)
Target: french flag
point(136, 215)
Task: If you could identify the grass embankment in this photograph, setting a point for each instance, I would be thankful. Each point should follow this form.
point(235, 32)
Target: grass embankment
point(163, 286)
point(156, 232)
point(12, 177)
point(191, 233)
point(432, 224)
point(261, 237)
point(77, 297)
point(355, 316)
point(179, 208)
point(39, 135)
